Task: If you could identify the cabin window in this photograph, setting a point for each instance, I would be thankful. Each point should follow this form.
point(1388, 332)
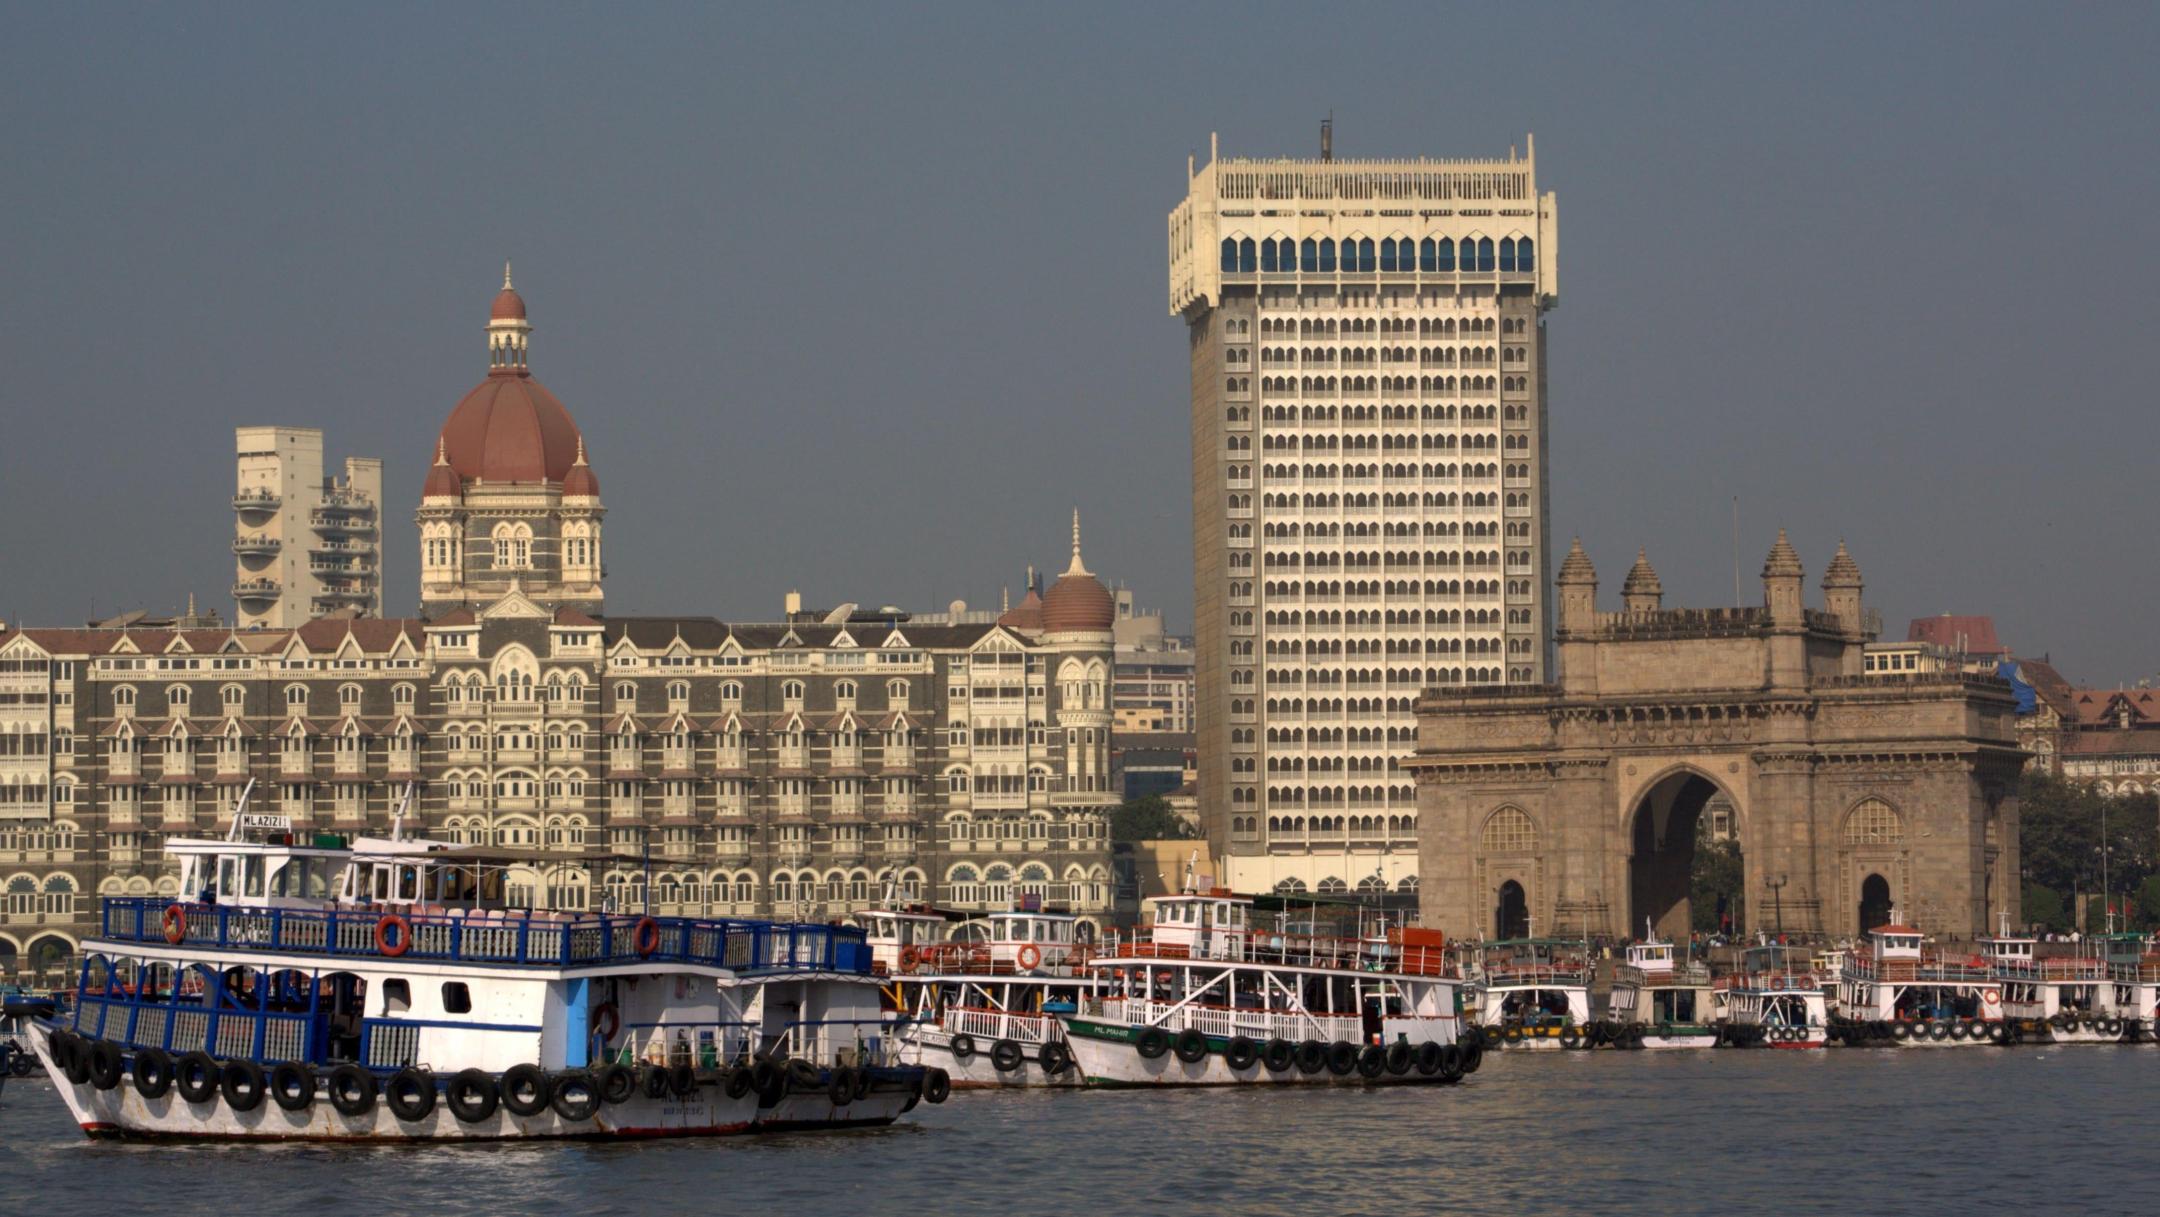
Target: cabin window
point(408, 883)
point(396, 996)
point(456, 998)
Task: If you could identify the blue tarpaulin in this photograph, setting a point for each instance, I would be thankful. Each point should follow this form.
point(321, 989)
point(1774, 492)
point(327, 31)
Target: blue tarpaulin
point(2027, 698)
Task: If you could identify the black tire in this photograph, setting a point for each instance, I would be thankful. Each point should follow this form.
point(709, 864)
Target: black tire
point(1242, 1052)
point(653, 1080)
point(1452, 1057)
point(840, 1087)
point(243, 1085)
point(1342, 1057)
point(616, 1083)
point(1191, 1045)
point(60, 1047)
point(863, 1079)
point(1280, 1056)
point(352, 1090)
point(1312, 1056)
point(1513, 1034)
point(77, 1067)
point(1998, 1033)
point(410, 1094)
point(1430, 1058)
point(1570, 1037)
point(1473, 1056)
point(196, 1077)
point(963, 1047)
point(803, 1077)
point(1957, 1033)
point(1938, 1031)
point(292, 1086)
point(1900, 1030)
point(1372, 1062)
point(1055, 1057)
point(107, 1066)
point(736, 1083)
point(1006, 1056)
point(1398, 1057)
point(153, 1073)
point(682, 1080)
point(937, 1085)
point(21, 1062)
point(526, 1090)
point(1151, 1043)
point(577, 1096)
point(769, 1081)
point(473, 1096)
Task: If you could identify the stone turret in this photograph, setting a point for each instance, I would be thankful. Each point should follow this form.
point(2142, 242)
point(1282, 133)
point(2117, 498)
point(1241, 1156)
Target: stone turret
point(1841, 586)
point(1578, 590)
point(1781, 577)
point(1642, 592)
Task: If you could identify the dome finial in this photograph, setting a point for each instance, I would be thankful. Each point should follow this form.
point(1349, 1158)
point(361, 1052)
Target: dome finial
point(1077, 567)
point(580, 451)
point(442, 450)
point(506, 274)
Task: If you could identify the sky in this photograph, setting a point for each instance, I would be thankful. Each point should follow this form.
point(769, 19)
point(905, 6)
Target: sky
point(863, 301)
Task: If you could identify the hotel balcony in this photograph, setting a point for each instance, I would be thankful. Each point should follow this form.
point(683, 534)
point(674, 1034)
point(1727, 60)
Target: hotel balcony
point(255, 591)
point(256, 500)
point(341, 522)
point(257, 546)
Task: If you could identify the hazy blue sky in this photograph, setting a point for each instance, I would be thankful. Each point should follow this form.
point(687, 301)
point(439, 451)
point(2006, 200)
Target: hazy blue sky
point(863, 300)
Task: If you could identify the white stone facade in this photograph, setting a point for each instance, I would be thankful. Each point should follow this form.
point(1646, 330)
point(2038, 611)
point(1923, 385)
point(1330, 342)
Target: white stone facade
point(303, 547)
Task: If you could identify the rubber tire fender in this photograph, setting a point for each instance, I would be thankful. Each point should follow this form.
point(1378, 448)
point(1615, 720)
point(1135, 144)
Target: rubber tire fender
point(653, 1081)
point(1007, 1055)
point(107, 1066)
point(1473, 1057)
point(1372, 1062)
point(1280, 1056)
point(1399, 1057)
point(1570, 1037)
point(1342, 1058)
point(196, 1077)
point(243, 1084)
point(1055, 1057)
point(410, 1094)
point(577, 1096)
point(526, 1090)
point(1430, 1058)
point(937, 1085)
point(292, 1086)
point(963, 1047)
point(769, 1081)
point(1312, 1056)
point(840, 1086)
point(353, 1090)
point(473, 1095)
point(615, 1083)
point(77, 1068)
point(738, 1082)
point(804, 1076)
point(1900, 1030)
point(153, 1073)
point(1151, 1043)
point(1242, 1052)
point(682, 1080)
point(1191, 1045)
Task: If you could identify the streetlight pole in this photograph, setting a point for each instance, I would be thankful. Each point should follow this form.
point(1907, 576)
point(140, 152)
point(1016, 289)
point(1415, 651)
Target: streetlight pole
point(1777, 900)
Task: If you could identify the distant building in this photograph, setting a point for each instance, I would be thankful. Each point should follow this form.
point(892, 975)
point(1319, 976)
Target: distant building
point(1965, 637)
point(1151, 763)
point(1154, 671)
point(303, 546)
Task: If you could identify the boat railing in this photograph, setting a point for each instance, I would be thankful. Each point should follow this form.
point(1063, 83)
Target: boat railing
point(1514, 975)
point(701, 1045)
point(989, 1026)
point(1225, 1022)
point(2146, 969)
point(836, 1041)
point(977, 958)
point(1790, 980)
point(1685, 974)
point(1290, 950)
point(555, 939)
point(179, 1027)
point(2063, 968)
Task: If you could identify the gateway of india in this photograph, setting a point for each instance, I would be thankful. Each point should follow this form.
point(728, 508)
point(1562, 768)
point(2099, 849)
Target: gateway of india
point(1572, 808)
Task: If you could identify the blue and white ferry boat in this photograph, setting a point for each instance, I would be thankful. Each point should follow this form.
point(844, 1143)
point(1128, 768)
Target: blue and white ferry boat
point(385, 990)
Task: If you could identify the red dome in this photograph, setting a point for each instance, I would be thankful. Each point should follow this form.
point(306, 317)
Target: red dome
point(1026, 615)
point(442, 482)
point(510, 429)
point(509, 306)
point(1078, 601)
point(580, 481)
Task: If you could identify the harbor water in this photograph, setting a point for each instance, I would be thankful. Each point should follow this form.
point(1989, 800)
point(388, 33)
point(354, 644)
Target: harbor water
point(2064, 1130)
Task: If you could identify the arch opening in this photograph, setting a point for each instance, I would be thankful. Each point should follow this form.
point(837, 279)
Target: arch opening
point(1685, 869)
point(1874, 902)
point(1511, 913)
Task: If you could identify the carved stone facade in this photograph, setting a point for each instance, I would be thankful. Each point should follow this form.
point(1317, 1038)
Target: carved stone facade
point(1572, 807)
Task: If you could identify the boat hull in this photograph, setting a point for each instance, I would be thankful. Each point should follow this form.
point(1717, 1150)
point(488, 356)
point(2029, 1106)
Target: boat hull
point(122, 1112)
point(1108, 1056)
point(932, 1046)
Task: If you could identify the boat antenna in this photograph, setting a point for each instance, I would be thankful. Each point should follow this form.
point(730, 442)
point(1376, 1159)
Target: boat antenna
point(232, 831)
point(397, 818)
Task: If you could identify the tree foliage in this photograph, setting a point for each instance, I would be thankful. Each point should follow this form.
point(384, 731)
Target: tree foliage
point(2061, 845)
point(1716, 881)
point(1148, 819)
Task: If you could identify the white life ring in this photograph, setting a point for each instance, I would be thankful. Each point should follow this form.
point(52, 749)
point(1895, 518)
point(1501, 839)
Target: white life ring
point(1992, 997)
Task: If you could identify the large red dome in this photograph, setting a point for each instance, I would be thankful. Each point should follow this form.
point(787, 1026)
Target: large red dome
point(510, 429)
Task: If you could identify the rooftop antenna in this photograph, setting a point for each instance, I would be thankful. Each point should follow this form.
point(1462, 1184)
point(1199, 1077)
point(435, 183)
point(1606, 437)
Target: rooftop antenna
point(1327, 137)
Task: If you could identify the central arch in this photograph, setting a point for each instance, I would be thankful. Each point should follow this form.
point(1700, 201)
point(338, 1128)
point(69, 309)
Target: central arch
point(1511, 914)
point(1874, 902)
point(1677, 851)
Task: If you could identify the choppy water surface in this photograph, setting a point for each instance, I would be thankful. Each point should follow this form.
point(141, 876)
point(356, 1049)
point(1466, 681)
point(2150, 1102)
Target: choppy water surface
point(1934, 1132)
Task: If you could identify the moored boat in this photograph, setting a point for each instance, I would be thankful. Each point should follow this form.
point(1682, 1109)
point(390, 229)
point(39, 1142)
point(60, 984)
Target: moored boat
point(1896, 990)
point(384, 990)
point(1533, 993)
point(1658, 1001)
point(1775, 999)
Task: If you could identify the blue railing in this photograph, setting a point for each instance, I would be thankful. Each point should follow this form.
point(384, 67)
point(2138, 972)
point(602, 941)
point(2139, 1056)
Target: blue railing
point(184, 1027)
point(574, 940)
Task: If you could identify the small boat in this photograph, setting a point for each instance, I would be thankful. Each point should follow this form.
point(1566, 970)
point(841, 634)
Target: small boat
point(384, 990)
point(1895, 990)
point(1534, 993)
point(1658, 1001)
point(985, 1003)
point(2101, 995)
point(1206, 997)
point(2134, 992)
point(1775, 999)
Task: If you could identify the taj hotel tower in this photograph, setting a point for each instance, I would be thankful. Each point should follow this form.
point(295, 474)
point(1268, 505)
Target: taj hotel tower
point(1369, 504)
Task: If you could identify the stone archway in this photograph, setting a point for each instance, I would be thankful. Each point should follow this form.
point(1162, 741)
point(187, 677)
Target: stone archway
point(1663, 830)
point(1511, 912)
point(1875, 902)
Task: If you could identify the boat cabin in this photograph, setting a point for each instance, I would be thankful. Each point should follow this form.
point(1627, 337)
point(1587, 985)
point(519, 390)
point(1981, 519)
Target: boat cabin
point(271, 873)
point(1652, 958)
point(1213, 925)
point(1029, 940)
point(1896, 942)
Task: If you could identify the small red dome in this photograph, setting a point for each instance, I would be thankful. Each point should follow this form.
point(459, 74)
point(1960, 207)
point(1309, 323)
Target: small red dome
point(442, 481)
point(1026, 615)
point(1078, 602)
point(510, 429)
point(509, 306)
point(580, 481)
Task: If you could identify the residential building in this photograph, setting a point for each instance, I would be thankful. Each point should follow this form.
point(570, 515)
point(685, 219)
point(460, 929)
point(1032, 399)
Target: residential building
point(1153, 681)
point(304, 546)
point(1368, 345)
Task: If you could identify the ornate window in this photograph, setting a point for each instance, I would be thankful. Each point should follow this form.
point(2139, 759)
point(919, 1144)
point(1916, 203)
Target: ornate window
point(1509, 831)
point(1874, 822)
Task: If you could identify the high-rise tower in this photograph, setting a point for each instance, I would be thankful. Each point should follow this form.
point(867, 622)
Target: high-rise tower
point(1368, 397)
point(305, 546)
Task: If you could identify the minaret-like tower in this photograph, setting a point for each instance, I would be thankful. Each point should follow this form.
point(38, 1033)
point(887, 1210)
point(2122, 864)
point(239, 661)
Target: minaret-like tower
point(1641, 592)
point(1841, 584)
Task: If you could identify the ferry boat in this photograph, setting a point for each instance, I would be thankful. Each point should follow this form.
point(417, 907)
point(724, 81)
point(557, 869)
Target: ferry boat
point(1208, 998)
point(1895, 991)
point(2093, 997)
point(1775, 999)
point(383, 990)
point(1535, 993)
point(2134, 976)
point(985, 1004)
point(1658, 1002)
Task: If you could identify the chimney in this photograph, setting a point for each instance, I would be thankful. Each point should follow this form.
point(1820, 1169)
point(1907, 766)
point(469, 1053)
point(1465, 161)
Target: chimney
point(1327, 137)
point(794, 603)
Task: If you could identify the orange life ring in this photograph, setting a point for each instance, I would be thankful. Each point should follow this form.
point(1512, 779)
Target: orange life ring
point(175, 924)
point(384, 943)
point(1992, 997)
point(1029, 957)
point(909, 958)
point(646, 937)
point(606, 1021)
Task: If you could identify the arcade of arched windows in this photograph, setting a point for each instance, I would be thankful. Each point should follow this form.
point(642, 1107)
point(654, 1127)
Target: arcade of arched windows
point(1394, 254)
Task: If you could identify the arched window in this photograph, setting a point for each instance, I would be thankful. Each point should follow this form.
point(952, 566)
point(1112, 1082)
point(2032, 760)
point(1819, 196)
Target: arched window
point(1387, 253)
point(1327, 253)
point(1874, 822)
point(1267, 256)
point(1331, 886)
point(1444, 255)
point(1484, 254)
point(1229, 254)
point(1247, 258)
point(1525, 256)
point(1309, 255)
point(1507, 254)
point(1509, 831)
point(1364, 255)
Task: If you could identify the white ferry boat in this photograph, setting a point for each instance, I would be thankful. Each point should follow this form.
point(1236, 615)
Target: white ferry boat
point(386, 992)
point(1207, 998)
point(1775, 999)
point(985, 1004)
point(1534, 993)
point(1896, 991)
point(1657, 1001)
point(2103, 995)
point(2134, 972)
